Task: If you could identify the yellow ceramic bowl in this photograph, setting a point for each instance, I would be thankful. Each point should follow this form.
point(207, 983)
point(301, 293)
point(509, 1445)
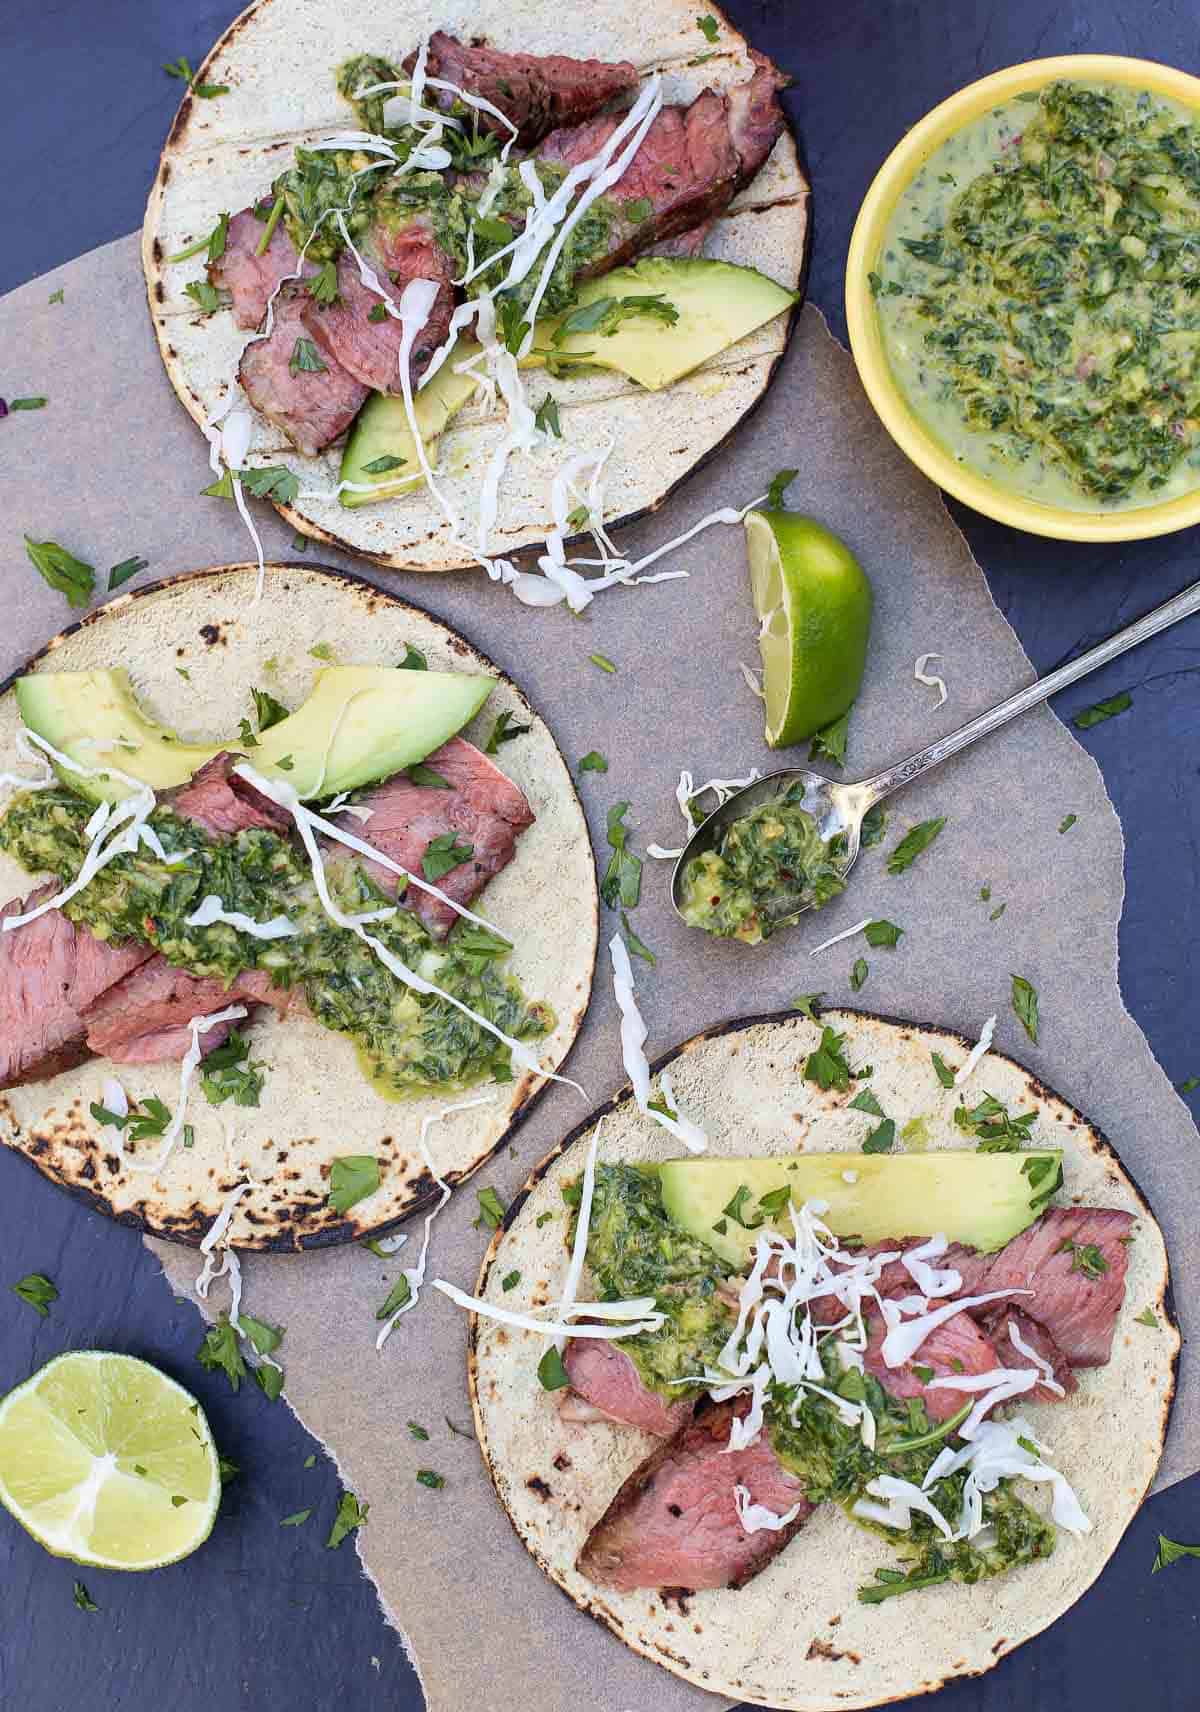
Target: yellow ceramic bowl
point(909, 433)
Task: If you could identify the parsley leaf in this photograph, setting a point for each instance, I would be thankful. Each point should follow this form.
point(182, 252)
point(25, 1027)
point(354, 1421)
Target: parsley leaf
point(808, 1004)
point(883, 933)
point(881, 1140)
point(942, 1070)
point(227, 1073)
point(551, 1372)
point(206, 297)
point(636, 945)
point(64, 572)
point(36, 1289)
point(57, 296)
point(593, 762)
point(350, 1515)
point(262, 1336)
point(1086, 1258)
point(352, 1177)
point(83, 1598)
point(444, 853)
point(503, 732)
point(859, 973)
point(545, 416)
point(323, 284)
point(209, 91)
point(246, 734)
point(1191, 1083)
point(274, 482)
point(220, 1353)
point(1147, 1317)
point(121, 573)
point(305, 359)
point(830, 743)
point(913, 843)
point(998, 1131)
point(622, 882)
point(780, 482)
point(1169, 1551)
point(491, 1209)
point(267, 711)
point(1025, 1006)
point(1102, 710)
point(737, 1206)
point(606, 314)
point(827, 1066)
point(707, 25)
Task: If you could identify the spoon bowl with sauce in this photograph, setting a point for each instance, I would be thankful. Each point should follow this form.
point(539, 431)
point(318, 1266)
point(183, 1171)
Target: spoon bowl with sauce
point(837, 810)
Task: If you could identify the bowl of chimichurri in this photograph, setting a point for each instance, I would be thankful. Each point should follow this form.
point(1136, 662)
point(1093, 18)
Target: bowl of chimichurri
point(1023, 297)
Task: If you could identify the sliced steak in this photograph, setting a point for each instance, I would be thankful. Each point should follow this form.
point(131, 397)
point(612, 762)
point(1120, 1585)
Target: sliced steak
point(958, 1346)
point(674, 1523)
point(248, 277)
point(611, 1386)
point(369, 350)
point(536, 91)
point(996, 1326)
point(692, 162)
point(311, 408)
point(222, 804)
point(50, 972)
point(144, 1018)
point(482, 808)
point(1074, 1260)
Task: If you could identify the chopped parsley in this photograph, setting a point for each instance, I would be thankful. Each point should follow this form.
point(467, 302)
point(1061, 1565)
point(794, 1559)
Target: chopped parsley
point(1025, 1006)
point(606, 314)
point(219, 1353)
point(942, 1070)
point(779, 484)
point(380, 466)
point(427, 1477)
point(392, 1303)
point(707, 26)
point(593, 762)
point(121, 573)
point(267, 711)
point(444, 853)
point(1102, 710)
point(417, 1431)
point(64, 572)
point(638, 946)
point(228, 1073)
point(827, 1066)
point(545, 416)
point(305, 359)
point(504, 731)
point(413, 661)
point(206, 297)
point(297, 1518)
point(37, 1290)
point(350, 1515)
point(323, 284)
point(1068, 823)
point(28, 403)
point(883, 933)
point(829, 744)
point(865, 1101)
point(352, 1177)
point(420, 774)
point(1147, 1317)
point(491, 1209)
point(881, 1139)
point(622, 882)
point(874, 825)
point(510, 1281)
point(1170, 1551)
point(274, 482)
point(808, 1004)
point(83, 1598)
point(859, 973)
point(913, 843)
point(1086, 1258)
point(997, 1130)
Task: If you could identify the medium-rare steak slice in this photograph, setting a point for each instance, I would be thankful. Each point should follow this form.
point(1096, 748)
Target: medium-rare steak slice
point(144, 1018)
point(311, 407)
point(958, 1346)
point(398, 251)
point(50, 972)
point(1074, 1260)
point(248, 277)
point(222, 804)
point(692, 162)
point(536, 91)
point(482, 809)
point(1031, 1332)
point(674, 1523)
point(609, 1384)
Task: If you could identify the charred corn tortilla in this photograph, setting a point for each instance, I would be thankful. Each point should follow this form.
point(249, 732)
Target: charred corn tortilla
point(315, 1104)
point(797, 1636)
point(278, 60)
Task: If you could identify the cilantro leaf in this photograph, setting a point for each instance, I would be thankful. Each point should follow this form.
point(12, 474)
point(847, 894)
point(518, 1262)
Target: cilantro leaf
point(919, 838)
point(37, 1290)
point(352, 1177)
point(830, 743)
point(859, 973)
point(780, 482)
point(444, 853)
point(262, 1336)
point(873, 826)
point(827, 1066)
point(228, 1074)
point(207, 298)
point(1086, 1258)
point(1170, 1551)
point(503, 732)
point(942, 1070)
point(391, 1304)
point(377, 312)
point(510, 1281)
point(350, 1515)
point(269, 1381)
point(305, 359)
point(545, 416)
point(593, 762)
point(636, 945)
point(622, 882)
point(380, 466)
point(64, 572)
point(121, 573)
point(83, 1598)
point(736, 1207)
point(428, 1477)
point(1102, 710)
point(246, 735)
point(707, 25)
point(1025, 1006)
point(998, 1131)
point(883, 933)
point(418, 1432)
point(28, 403)
point(605, 314)
point(865, 1101)
point(297, 1519)
point(491, 1209)
point(413, 661)
point(1147, 1317)
point(220, 1353)
point(1068, 823)
point(551, 1372)
point(420, 774)
point(808, 1004)
point(274, 482)
point(323, 284)
point(180, 68)
point(267, 711)
point(601, 660)
point(882, 1139)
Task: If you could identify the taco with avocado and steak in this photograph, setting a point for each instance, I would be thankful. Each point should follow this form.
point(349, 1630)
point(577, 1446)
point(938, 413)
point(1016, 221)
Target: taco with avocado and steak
point(465, 266)
point(866, 1418)
point(278, 906)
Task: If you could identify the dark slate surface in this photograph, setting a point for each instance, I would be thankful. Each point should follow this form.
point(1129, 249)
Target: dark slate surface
point(269, 1619)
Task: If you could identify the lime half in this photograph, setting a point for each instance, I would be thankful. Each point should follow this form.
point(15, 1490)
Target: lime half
point(105, 1460)
point(814, 606)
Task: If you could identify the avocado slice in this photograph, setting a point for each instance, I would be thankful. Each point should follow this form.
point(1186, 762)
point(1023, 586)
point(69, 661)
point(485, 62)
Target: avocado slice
point(981, 1199)
point(382, 430)
point(718, 304)
point(360, 723)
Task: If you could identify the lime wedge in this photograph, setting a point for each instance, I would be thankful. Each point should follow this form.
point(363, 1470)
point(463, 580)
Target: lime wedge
point(105, 1460)
point(814, 607)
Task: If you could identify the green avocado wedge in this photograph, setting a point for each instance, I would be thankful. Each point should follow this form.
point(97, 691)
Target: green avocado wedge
point(981, 1199)
point(716, 304)
point(359, 724)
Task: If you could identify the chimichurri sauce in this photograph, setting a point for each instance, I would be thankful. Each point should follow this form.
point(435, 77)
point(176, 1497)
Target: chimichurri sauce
point(1038, 293)
point(410, 1043)
point(773, 852)
point(636, 1249)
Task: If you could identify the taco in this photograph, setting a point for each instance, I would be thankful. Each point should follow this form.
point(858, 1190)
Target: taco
point(853, 1403)
point(282, 899)
point(574, 239)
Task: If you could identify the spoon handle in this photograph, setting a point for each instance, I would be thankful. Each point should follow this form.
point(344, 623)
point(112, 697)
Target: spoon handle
point(882, 785)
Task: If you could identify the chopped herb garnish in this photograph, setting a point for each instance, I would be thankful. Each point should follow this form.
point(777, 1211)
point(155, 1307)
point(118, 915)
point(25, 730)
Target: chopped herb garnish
point(310, 1460)
point(1188, 1086)
point(83, 1598)
point(350, 1515)
point(997, 912)
point(274, 482)
point(622, 882)
point(56, 296)
point(269, 1381)
point(491, 1209)
point(543, 1219)
point(545, 416)
point(413, 661)
point(418, 1432)
point(865, 1101)
point(267, 710)
point(510, 1281)
point(378, 312)
point(246, 735)
point(924, 1374)
point(381, 466)
point(228, 1073)
point(180, 68)
point(220, 1353)
point(913, 843)
point(420, 774)
point(1147, 1317)
point(207, 298)
point(36, 1289)
point(352, 1177)
point(392, 1303)
point(779, 484)
point(1085, 1258)
point(28, 403)
point(551, 1372)
point(1068, 823)
point(285, 763)
point(1025, 1006)
point(882, 1139)
point(64, 572)
point(829, 744)
point(593, 762)
point(427, 1477)
point(707, 25)
point(1102, 710)
point(602, 660)
point(305, 359)
point(874, 825)
point(1169, 1551)
point(605, 314)
point(827, 1066)
point(883, 933)
point(942, 1070)
point(998, 1131)
point(324, 651)
point(503, 732)
point(444, 853)
point(121, 573)
point(297, 1519)
point(859, 973)
point(638, 947)
point(323, 284)
point(808, 1004)
point(737, 1206)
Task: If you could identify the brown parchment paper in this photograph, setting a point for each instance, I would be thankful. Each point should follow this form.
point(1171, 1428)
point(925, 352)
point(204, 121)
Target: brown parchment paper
point(113, 467)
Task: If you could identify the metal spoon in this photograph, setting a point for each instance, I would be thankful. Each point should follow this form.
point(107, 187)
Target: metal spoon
point(839, 808)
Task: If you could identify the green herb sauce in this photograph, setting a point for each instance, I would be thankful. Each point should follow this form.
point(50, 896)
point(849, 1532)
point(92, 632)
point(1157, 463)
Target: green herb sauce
point(409, 1043)
point(1038, 292)
point(773, 852)
point(636, 1249)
